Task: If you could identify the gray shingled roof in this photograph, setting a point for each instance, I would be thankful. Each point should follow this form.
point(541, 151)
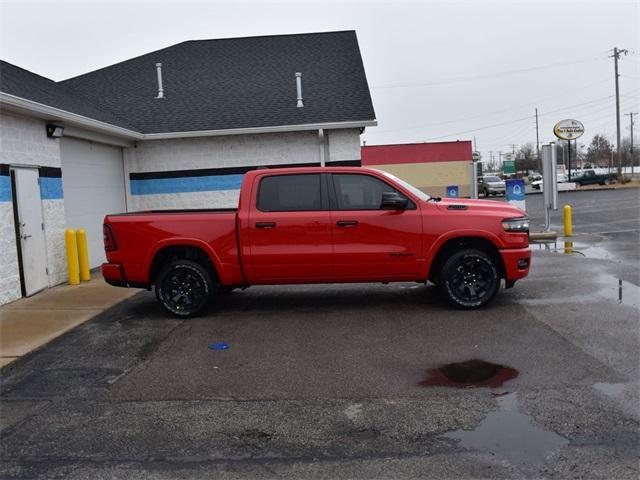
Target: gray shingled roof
point(222, 84)
point(25, 84)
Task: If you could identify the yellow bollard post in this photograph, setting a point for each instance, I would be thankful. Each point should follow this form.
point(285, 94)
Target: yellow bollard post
point(568, 247)
point(83, 255)
point(568, 227)
point(73, 268)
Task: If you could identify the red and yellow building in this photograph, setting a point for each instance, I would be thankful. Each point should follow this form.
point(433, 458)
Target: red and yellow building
point(429, 166)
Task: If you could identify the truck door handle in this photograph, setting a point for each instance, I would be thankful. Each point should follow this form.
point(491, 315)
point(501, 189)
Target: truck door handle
point(347, 223)
point(265, 224)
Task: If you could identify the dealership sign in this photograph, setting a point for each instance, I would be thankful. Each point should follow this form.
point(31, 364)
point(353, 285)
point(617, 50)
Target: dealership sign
point(568, 129)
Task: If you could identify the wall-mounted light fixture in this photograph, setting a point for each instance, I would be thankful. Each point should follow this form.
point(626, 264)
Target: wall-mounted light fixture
point(54, 131)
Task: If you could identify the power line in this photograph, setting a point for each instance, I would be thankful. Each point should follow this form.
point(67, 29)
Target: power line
point(528, 117)
point(495, 112)
point(467, 78)
point(597, 101)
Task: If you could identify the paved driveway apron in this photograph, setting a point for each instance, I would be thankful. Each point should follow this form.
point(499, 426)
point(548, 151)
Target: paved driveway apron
point(326, 381)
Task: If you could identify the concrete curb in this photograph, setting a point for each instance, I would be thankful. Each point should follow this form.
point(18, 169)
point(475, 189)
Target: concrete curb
point(543, 236)
point(538, 192)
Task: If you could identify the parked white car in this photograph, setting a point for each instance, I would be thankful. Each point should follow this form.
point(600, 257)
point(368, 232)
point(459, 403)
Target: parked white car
point(562, 178)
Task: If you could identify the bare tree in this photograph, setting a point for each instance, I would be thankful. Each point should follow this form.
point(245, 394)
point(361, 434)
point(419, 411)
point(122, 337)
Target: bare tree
point(599, 151)
point(526, 157)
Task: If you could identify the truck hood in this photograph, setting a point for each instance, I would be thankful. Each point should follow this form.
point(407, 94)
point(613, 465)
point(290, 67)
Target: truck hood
point(501, 209)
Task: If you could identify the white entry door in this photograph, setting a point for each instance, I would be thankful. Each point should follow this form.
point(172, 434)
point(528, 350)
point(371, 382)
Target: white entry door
point(30, 229)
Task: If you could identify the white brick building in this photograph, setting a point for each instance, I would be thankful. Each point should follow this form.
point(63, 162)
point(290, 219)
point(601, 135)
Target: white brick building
point(126, 146)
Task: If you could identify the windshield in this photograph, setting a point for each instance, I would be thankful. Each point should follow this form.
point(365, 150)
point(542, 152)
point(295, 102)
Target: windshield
point(416, 191)
point(492, 179)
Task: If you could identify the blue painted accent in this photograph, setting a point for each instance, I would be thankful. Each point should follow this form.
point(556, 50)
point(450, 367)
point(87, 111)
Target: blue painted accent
point(452, 191)
point(186, 184)
point(51, 188)
point(5, 188)
point(515, 189)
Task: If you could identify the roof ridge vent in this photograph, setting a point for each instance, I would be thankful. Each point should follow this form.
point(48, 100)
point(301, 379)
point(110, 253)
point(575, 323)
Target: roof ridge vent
point(299, 89)
point(159, 72)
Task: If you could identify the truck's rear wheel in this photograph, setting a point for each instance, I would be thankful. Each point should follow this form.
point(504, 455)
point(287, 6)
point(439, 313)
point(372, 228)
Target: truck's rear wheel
point(183, 288)
point(469, 279)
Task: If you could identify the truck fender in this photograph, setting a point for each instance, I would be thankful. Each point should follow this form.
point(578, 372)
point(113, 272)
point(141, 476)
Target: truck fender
point(451, 235)
point(191, 242)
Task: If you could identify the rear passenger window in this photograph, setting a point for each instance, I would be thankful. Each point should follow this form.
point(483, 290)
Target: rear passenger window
point(360, 192)
point(290, 193)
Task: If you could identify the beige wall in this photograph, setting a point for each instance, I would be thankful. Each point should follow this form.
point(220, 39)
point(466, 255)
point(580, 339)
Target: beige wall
point(433, 177)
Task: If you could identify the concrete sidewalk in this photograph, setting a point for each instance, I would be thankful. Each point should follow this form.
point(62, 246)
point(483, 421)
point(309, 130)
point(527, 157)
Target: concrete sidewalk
point(29, 323)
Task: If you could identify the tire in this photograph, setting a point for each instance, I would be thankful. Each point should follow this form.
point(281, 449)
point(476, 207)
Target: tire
point(607, 182)
point(224, 290)
point(183, 288)
point(460, 283)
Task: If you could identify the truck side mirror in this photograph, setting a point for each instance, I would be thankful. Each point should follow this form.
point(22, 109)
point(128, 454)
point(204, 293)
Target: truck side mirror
point(393, 201)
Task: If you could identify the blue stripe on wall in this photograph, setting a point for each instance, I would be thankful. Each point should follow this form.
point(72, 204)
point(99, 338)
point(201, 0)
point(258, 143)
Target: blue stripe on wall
point(51, 188)
point(5, 188)
point(186, 184)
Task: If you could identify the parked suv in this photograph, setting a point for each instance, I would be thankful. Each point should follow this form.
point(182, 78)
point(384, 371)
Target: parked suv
point(491, 185)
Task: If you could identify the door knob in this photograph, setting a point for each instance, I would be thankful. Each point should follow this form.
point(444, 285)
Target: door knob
point(24, 237)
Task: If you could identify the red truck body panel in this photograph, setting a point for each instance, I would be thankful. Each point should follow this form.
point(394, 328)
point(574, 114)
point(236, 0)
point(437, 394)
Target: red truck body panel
point(310, 247)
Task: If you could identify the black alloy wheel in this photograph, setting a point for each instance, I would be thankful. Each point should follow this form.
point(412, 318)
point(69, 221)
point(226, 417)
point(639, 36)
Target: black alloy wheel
point(183, 288)
point(470, 279)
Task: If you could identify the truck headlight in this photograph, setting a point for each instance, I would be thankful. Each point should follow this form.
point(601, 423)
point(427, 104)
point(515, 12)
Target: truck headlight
point(520, 224)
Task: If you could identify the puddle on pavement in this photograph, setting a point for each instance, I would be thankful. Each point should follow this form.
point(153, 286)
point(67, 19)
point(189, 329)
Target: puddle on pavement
point(611, 288)
point(469, 374)
point(610, 389)
point(620, 291)
point(576, 248)
point(510, 435)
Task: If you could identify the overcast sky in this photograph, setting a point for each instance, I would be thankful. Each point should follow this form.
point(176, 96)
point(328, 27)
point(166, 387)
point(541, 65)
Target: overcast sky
point(437, 70)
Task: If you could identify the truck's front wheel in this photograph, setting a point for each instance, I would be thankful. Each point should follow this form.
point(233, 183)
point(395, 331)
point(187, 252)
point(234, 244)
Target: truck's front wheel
point(469, 279)
point(183, 288)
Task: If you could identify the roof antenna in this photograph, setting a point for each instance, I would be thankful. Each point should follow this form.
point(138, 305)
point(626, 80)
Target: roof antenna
point(160, 89)
point(299, 89)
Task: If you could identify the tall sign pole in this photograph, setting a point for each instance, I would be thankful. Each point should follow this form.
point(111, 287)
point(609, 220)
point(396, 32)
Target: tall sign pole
point(568, 130)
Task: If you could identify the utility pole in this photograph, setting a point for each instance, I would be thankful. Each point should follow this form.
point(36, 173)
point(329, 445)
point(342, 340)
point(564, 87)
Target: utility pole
point(633, 158)
point(616, 55)
point(538, 142)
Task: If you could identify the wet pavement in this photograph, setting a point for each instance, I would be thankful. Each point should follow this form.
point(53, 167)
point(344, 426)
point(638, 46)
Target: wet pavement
point(358, 381)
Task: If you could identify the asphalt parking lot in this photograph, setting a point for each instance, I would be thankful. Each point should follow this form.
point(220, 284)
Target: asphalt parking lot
point(342, 381)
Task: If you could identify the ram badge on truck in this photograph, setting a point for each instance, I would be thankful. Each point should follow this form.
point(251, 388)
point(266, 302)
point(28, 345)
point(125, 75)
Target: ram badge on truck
point(319, 225)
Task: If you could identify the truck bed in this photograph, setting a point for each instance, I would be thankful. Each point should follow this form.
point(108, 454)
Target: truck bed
point(146, 233)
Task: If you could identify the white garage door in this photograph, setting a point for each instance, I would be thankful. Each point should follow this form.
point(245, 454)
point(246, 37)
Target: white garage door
point(93, 186)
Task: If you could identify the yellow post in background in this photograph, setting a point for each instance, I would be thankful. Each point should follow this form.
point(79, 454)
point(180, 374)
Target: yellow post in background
point(83, 255)
point(568, 226)
point(73, 267)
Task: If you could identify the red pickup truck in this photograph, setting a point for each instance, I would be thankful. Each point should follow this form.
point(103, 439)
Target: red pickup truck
point(319, 225)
